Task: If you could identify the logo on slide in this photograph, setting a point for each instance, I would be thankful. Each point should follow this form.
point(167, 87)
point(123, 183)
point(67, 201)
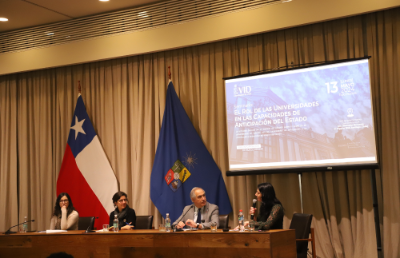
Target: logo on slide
point(350, 112)
point(347, 87)
point(241, 90)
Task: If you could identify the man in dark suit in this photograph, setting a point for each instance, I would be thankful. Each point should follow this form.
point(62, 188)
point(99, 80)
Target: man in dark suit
point(190, 216)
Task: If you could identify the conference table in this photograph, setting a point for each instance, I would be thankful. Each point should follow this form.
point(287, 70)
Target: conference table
point(152, 243)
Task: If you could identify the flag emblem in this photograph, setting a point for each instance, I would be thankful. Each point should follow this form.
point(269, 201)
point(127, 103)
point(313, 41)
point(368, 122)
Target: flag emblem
point(177, 175)
point(185, 174)
point(190, 160)
point(169, 177)
point(178, 166)
point(175, 185)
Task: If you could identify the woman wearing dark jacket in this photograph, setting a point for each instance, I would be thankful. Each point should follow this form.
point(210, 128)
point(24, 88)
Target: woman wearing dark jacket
point(271, 209)
point(126, 216)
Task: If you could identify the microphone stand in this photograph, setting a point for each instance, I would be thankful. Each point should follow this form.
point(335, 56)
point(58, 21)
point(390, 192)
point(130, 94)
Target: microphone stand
point(89, 229)
point(183, 217)
point(11, 232)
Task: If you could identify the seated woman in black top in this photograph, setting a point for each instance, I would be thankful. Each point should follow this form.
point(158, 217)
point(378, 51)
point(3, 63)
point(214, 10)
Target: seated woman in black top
point(271, 209)
point(126, 216)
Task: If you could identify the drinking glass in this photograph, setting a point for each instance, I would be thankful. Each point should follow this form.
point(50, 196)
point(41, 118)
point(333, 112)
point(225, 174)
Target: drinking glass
point(252, 225)
point(213, 226)
point(105, 227)
point(161, 228)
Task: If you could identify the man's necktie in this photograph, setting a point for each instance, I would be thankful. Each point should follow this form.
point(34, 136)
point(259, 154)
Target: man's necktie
point(198, 216)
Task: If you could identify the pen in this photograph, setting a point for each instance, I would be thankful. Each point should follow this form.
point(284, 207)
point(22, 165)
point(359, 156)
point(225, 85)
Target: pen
point(129, 224)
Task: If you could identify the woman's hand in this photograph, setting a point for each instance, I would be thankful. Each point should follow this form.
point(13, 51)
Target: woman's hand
point(127, 227)
point(252, 211)
point(63, 209)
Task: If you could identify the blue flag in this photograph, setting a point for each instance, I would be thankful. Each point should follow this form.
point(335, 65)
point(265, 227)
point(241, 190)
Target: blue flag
point(182, 162)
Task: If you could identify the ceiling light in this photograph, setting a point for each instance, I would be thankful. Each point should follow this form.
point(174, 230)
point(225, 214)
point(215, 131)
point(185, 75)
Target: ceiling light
point(286, 1)
point(49, 33)
point(3, 19)
point(104, 0)
point(143, 14)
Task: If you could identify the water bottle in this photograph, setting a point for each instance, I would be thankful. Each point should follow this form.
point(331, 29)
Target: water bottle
point(25, 225)
point(167, 223)
point(115, 223)
point(241, 221)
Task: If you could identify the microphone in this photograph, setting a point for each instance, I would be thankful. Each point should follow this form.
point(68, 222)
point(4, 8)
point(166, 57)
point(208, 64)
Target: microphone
point(89, 229)
point(184, 216)
point(186, 213)
point(9, 232)
point(254, 205)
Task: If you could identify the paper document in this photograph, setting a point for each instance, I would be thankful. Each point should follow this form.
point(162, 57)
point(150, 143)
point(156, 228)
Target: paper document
point(55, 231)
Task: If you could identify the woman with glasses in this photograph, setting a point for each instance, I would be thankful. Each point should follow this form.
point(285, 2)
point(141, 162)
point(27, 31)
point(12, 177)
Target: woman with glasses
point(64, 215)
point(126, 216)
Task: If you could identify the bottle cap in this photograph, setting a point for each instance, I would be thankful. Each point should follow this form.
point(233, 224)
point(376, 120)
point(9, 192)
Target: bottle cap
point(240, 210)
point(167, 214)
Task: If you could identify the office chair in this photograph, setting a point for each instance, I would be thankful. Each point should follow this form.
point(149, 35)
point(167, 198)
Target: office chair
point(223, 221)
point(85, 222)
point(302, 224)
point(144, 222)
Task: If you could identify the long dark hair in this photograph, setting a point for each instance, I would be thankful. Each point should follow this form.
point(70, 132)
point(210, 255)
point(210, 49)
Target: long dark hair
point(268, 197)
point(57, 207)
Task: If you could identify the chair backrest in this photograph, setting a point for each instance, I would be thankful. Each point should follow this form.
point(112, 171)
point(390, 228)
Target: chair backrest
point(144, 222)
point(223, 221)
point(301, 223)
point(85, 222)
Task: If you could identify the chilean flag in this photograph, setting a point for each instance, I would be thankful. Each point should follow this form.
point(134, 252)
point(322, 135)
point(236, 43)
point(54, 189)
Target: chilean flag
point(85, 174)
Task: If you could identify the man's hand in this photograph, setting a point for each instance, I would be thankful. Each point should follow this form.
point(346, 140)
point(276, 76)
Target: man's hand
point(192, 224)
point(180, 225)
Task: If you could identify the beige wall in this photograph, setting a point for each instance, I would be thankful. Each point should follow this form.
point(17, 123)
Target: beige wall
point(231, 25)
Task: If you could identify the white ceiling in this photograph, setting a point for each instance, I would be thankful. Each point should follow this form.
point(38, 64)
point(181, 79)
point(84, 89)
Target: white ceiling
point(196, 32)
point(28, 13)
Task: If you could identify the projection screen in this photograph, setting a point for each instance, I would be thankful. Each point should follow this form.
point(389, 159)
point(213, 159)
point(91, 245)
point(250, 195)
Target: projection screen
point(317, 117)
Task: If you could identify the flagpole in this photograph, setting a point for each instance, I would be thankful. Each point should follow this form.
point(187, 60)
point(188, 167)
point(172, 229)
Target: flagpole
point(79, 87)
point(169, 73)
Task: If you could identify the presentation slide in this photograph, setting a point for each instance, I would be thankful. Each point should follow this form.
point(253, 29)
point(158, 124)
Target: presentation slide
point(311, 117)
